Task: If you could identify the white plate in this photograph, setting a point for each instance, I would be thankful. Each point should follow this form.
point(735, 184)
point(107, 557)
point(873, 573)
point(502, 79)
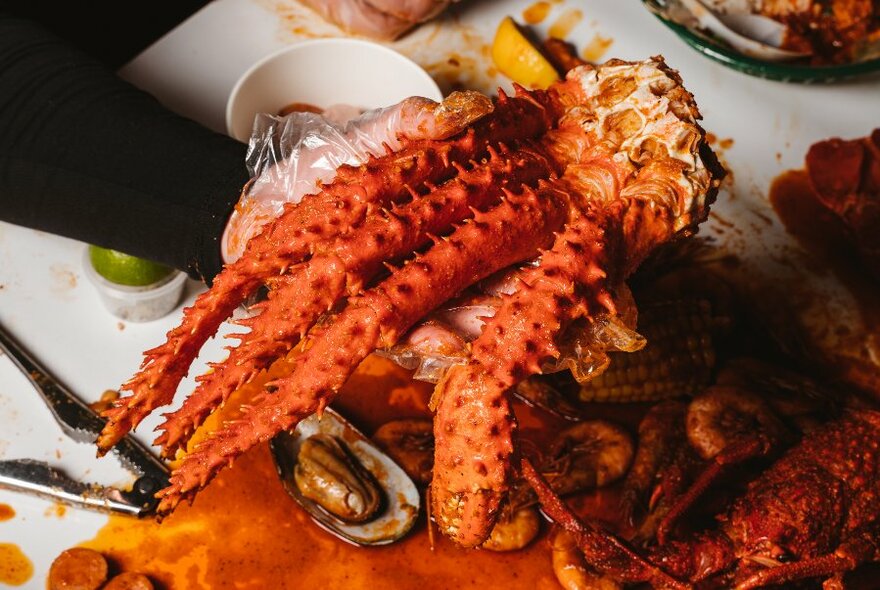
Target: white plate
point(46, 303)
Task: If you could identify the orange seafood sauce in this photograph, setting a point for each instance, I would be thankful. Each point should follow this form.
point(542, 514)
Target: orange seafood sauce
point(299, 107)
point(6, 512)
point(563, 25)
point(596, 48)
point(244, 531)
point(536, 13)
point(15, 567)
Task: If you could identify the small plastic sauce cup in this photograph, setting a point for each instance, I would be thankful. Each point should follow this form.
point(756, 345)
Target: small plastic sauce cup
point(137, 304)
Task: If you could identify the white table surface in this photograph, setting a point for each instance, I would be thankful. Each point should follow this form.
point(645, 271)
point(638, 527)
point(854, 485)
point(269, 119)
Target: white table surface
point(47, 303)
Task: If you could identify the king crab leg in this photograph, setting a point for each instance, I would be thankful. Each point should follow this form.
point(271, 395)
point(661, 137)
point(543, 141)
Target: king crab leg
point(509, 233)
point(341, 205)
point(471, 479)
point(350, 261)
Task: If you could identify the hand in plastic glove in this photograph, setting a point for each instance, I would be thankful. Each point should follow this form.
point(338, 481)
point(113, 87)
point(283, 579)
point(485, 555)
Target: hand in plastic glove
point(289, 157)
point(380, 19)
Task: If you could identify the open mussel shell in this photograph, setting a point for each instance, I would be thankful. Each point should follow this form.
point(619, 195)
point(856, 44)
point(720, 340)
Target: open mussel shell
point(400, 507)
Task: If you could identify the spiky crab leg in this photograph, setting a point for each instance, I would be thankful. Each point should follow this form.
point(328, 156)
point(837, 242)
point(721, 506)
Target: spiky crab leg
point(350, 261)
point(294, 235)
point(508, 233)
point(473, 428)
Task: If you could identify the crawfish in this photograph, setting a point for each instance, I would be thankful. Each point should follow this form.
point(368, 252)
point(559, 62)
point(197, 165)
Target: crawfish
point(811, 514)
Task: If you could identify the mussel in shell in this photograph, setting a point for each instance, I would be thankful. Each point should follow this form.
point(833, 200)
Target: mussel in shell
point(345, 483)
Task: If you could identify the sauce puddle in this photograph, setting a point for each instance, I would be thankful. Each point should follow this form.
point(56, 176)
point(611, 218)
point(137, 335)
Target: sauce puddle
point(15, 567)
point(596, 48)
point(6, 512)
point(245, 528)
point(536, 13)
point(567, 21)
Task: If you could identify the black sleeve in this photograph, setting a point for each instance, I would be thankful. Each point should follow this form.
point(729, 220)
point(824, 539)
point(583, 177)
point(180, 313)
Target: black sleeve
point(85, 155)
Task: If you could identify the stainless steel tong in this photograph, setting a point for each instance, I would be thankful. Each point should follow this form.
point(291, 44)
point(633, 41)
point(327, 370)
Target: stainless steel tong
point(82, 424)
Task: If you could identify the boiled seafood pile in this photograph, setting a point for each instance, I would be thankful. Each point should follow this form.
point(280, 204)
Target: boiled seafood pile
point(809, 516)
point(764, 476)
point(569, 188)
point(494, 259)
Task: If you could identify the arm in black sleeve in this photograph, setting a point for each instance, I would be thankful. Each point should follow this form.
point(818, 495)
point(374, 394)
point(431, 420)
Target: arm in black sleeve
point(85, 155)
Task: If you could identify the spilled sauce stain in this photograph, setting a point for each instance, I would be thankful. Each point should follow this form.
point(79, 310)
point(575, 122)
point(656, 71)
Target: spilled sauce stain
point(6, 512)
point(468, 65)
point(724, 143)
point(536, 13)
point(567, 21)
point(64, 279)
point(720, 147)
point(56, 511)
point(596, 48)
point(15, 567)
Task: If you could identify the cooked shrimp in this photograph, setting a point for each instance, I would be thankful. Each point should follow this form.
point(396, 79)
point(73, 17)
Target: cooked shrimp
point(723, 415)
point(538, 392)
point(571, 568)
point(514, 530)
point(411, 444)
point(593, 453)
point(588, 455)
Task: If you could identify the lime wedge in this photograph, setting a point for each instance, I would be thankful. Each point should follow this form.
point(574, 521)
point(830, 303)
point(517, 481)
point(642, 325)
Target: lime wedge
point(124, 269)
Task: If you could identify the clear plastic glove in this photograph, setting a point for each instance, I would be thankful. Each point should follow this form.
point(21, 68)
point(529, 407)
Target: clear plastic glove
point(443, 339)
point(380, 19)
point(289, 157)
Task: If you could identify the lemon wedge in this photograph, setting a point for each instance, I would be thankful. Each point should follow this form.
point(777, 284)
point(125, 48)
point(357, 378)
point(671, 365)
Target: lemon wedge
point(518, 59)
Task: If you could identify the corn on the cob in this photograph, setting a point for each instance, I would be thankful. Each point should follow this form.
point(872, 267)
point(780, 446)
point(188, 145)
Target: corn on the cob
point(678, 359)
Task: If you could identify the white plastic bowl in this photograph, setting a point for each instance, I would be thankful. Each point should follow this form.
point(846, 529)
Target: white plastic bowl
point(325, 72)
point(137, 304)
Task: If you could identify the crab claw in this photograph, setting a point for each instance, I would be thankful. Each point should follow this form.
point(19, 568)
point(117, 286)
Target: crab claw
point(473, 434)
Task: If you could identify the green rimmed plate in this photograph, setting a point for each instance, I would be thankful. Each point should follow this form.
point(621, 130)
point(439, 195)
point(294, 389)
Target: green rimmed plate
point(782, 71)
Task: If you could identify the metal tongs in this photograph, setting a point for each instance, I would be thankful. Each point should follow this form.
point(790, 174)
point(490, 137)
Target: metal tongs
point(82, 424)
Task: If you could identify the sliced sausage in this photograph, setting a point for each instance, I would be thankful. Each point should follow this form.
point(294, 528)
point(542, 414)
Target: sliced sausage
point(78, 569)
point(129, 581)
